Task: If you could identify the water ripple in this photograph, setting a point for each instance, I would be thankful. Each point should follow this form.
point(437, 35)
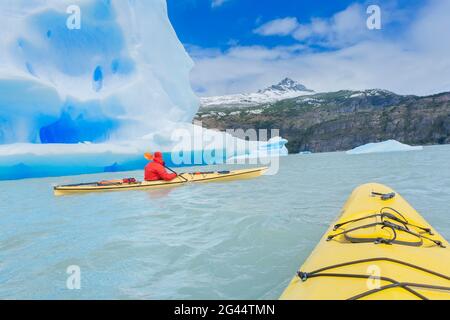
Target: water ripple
point(239, 240)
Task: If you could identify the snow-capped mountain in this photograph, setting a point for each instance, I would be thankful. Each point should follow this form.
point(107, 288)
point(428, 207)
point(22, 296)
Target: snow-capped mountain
point(285, 89)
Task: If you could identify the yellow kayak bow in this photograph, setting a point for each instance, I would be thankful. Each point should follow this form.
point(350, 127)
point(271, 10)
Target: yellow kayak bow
point(379, 248)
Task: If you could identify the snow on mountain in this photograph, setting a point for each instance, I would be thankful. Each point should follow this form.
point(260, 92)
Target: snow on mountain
point(285, 89)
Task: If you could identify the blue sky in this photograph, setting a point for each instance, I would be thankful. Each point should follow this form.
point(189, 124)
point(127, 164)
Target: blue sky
point(197, 22)
point(243, 45)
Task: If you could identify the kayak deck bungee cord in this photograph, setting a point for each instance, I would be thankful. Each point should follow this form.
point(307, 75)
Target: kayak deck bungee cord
point(182, 179)
point(380, 248)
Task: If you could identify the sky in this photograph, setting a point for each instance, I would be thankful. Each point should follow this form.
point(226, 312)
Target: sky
point(245, 45)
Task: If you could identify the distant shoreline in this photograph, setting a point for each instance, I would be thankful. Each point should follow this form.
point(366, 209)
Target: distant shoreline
point(343, 120)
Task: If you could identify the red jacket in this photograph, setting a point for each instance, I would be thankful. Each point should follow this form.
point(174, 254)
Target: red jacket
point(155, 171)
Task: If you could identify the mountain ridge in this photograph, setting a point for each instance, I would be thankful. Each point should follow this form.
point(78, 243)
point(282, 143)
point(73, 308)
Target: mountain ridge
point(342, 120)
point(285, 89)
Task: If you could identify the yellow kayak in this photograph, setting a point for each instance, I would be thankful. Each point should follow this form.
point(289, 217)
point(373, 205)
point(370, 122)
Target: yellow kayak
point(379, 248)
point(182, 179)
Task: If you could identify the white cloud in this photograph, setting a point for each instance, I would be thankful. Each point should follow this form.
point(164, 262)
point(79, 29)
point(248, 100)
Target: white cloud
point(217, 3)
point(415, 61)
point(278, 27)
point(347, 26)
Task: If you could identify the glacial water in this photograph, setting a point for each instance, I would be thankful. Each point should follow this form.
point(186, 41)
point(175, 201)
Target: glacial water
point(237, 240)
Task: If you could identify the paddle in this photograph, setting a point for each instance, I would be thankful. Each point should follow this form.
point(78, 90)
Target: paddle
point(178, 175)
point(150, 157)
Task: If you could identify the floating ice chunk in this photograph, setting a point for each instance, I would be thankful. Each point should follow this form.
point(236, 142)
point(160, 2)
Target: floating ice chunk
point(275, 147)
point(181, 144)
point(386, 146)
point(276, 144)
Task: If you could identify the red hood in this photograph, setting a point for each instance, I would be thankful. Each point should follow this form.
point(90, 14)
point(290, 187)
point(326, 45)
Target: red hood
point(158, 158)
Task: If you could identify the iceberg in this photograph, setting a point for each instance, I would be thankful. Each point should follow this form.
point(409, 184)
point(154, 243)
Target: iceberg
point(182, 145)
point(82, 81)
point(275, 147)
point(386, 146)
point(118, 73)
point(88, 86)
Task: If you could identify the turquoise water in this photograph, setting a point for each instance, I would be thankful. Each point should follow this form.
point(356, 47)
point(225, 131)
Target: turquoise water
point(237, 240)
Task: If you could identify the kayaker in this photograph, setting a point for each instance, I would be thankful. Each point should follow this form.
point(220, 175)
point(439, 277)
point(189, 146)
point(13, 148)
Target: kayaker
point(156, 170)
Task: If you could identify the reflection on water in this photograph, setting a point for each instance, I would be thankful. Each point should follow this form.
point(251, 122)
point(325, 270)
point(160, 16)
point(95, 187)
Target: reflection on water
point(159, 193)
point(241, 240)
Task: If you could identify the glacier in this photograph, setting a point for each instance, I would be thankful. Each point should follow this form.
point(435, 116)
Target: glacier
point(385, 146)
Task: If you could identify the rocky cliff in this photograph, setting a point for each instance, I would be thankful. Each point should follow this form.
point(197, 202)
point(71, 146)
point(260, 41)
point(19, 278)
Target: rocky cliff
point(342, 120)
